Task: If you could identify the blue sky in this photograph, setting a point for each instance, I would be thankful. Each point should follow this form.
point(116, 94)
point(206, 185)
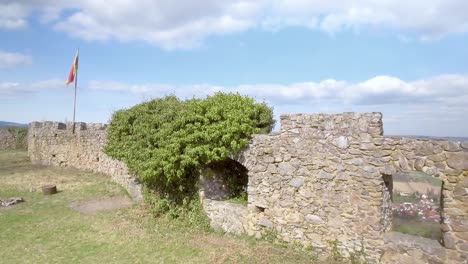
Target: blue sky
point(406, 59)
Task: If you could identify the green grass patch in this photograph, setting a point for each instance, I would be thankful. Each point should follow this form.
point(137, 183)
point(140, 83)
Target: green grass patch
point(405, 199)
point(417, 228)
point(45, 229)
point(240, 199)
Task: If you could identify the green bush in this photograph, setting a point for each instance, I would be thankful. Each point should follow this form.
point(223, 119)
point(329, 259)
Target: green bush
point(20, 134)
point(166, 141)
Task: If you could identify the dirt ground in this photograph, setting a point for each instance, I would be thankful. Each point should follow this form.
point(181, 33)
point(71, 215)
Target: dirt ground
point(102, 204)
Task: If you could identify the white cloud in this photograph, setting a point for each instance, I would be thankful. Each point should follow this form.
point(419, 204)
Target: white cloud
point(13, 16)
point(380, 90)
point(146, 90)
point(182, 25)
point(12, 59)
point(19, 89)
point(431, 106)
point(450, 90)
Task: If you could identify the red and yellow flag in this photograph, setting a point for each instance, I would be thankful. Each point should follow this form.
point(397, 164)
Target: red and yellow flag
point(71, 76)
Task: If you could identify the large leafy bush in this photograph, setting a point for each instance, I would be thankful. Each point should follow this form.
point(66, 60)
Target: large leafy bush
point(166, 142)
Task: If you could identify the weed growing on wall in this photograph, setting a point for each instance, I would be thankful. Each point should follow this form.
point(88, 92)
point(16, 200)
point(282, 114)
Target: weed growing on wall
point(20, 134)
point(167, 141)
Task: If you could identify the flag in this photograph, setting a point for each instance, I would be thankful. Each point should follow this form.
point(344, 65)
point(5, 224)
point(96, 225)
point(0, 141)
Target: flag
point(72, 75)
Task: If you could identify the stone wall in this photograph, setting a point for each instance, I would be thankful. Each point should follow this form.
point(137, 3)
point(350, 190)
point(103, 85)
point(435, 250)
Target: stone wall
point(53, 143)
point(447, 161)
point(8, 139)
point(323, 178)
point(405, 249)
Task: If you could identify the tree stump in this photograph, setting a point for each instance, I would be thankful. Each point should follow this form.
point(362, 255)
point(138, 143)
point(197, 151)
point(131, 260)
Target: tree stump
point(49, 189)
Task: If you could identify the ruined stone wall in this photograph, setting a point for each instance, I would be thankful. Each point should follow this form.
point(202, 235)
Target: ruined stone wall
point(447, 161)
point(317, 182)
point(7, 139)
point(321, 179)
point(53, 143)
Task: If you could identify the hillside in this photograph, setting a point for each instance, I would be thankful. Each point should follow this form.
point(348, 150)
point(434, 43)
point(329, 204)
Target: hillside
point(11, 124)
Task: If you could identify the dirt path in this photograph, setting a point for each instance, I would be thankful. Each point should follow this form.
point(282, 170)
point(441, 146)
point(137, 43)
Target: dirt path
point(102, 204)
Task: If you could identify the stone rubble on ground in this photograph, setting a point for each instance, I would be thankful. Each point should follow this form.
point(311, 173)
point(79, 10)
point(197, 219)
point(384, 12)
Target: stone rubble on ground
point(11, 201)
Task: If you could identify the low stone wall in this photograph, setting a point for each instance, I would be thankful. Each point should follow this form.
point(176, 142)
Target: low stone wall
point(8, 138)
point(406, 249)
point(53, 143)
point(226, 216)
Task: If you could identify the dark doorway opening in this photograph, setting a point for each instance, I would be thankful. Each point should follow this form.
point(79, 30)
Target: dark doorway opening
point(225, 180)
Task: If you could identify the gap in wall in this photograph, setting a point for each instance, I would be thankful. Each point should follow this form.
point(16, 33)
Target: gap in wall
point(416, 204)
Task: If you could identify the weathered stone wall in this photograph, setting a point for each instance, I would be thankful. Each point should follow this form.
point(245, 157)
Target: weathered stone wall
point(313, 182)
point(405, 249)
point(447, 161)
point(322, 179)
point(226, 216)
point(8, 139)
point(53, 143)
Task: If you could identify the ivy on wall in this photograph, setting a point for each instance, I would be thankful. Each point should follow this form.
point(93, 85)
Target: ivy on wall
point(20, 134)
point(167, 141)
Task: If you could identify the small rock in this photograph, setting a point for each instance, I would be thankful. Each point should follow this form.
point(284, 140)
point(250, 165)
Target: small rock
point(458, 160)
point(342, 142)
point(449, 242)
point(313, 219)
point(11, 201)
point(464, 145)
point(324, 175)
point(451, 146)
point(297, 182)
point(265, 222)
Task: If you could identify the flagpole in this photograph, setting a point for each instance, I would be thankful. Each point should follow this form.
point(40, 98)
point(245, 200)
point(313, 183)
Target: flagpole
point(76, 83)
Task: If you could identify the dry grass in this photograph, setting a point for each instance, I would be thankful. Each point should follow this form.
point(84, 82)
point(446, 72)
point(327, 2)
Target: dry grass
point(412, 187)
point(45, 229)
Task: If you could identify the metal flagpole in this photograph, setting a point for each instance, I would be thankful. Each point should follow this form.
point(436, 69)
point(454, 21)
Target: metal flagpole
point(76, 83)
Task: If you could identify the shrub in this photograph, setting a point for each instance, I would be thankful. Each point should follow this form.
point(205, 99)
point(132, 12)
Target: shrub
point(166, 141)
point(20, 134)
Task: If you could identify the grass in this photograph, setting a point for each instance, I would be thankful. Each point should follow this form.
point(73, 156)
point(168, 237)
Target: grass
point(417, 176)
point(405, 199)
point(417, 228)
point(45, 229)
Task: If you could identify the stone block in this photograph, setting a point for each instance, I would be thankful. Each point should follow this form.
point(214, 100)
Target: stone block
point(450, 146)
point(457, 160)
point(265, 222)
point(437, 157)
point(464, 145)
point(324, 175)
point(449, 240)
point(313, 219)
point(463, 246)
point(297, 182)
point(342, 142)
point(462, 235)
point(285, 169)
